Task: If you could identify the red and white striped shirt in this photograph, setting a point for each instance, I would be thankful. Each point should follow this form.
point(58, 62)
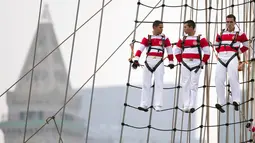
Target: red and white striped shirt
point(191, 50)
point(226, 39)
point(156, 45)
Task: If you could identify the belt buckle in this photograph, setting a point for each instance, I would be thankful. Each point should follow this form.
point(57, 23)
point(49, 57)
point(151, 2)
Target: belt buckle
point(154, 57)
point(190, 59)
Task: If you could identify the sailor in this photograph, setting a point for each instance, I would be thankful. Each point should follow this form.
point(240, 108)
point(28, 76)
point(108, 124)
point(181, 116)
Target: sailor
point(155, 44)
point(229, 44)
point(188, 52)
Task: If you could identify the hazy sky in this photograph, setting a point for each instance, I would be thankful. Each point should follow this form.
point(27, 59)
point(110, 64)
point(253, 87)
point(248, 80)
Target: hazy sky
point(19, 22)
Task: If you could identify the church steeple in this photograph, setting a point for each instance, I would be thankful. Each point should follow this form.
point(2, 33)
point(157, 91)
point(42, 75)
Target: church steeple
point(50, 73)
point(48, 92)
point(46, 17)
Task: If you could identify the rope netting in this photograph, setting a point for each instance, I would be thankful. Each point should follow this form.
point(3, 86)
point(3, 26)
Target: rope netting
point(212, 125)
point(230, 126)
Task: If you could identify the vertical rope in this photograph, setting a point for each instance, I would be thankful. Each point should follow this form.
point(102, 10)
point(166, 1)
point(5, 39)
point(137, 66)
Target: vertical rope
point(153, 91)
point(176, 103)
point(248, 70)
point(210, 67)
point(203, 98)
point(227, 119)
point(203, 103)
point(202, 140)
point(191, 10)
point(243, 98)
point(245, 106)
point(180, 26)
point(162, 10)
point(228, 94)
point(95, 68)
point(189, 127)
point(226, 10)
point(219, 114)
point(206, 28)
point(177, 100)
point(207, 121)
point(242, 106)
point(234, 113)
point(221, 14)
point(183, 114)
point(196, 11)
point(245, 111)
point(32, 72)
point(129, 74)
point(207, 80)
point(190, 117)
point(69, 70)
point(252, 88)
point(232, 7)
point(238, 11)
point(252, 64)
point(244, 16)
point(247, 58)
point(176, 92)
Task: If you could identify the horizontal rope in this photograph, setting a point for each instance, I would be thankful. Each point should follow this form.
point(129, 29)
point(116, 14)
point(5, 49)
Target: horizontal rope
point(198, 22)
point(183, 130)
point(196, 9)
point(177, 108)
point(203, 86)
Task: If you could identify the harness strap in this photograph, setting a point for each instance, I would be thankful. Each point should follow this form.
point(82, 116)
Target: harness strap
point(199, 52)
point(183, 41)
point(149, 43)
point(220, 38)
point(198, 46)
point(231, 45)
point(233, 40)
point(161, 60)
point(157, 49)
point(155, 67)
point(230, 59)
point(191, 69)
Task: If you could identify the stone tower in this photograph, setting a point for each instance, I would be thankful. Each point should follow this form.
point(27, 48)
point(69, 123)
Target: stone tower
point(47, 96)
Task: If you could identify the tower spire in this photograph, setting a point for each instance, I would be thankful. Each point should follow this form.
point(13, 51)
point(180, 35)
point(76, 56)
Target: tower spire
point(46, 17)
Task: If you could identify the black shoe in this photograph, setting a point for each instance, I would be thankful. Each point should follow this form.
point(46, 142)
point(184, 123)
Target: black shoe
point(248, 125)
point(186, 111)
point(219, 107)
point(236, 105)
point(192, 110)
point(143, 109)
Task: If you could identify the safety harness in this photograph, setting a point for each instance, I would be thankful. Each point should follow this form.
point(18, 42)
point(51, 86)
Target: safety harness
point(149, 49)
point(196, 68)
point(231, 45)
